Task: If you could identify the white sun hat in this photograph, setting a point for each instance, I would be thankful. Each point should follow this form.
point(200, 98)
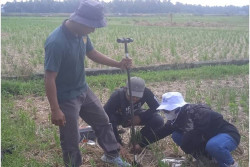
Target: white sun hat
point(171, 101)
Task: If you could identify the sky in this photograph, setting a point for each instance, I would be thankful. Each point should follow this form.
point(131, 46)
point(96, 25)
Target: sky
point(193, 2)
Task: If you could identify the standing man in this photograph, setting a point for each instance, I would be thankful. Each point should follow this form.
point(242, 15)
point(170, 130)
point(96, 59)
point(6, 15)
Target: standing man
point(66, 88)
point(119, 112)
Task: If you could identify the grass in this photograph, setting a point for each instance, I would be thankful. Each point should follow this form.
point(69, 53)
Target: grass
point(191, 39)
point(207, 72)
point(36, 86)
point(38, 144)
point(22, 87)
point(19, 134)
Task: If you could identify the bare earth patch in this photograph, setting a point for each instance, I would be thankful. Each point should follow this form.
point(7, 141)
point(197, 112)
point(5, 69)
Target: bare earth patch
point(39, 110)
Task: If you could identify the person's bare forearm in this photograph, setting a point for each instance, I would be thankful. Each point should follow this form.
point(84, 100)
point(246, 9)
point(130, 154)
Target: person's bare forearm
point(50, 87)
point(98, 57)
point(57, 116)
point(103, 59)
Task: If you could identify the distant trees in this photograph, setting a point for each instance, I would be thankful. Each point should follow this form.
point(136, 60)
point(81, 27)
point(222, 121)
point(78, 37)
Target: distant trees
point(41, 6)
point(121, 6)
point(166, 6)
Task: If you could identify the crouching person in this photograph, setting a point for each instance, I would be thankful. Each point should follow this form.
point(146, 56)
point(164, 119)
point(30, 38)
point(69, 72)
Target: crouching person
point(118, 109)
point(198, 130)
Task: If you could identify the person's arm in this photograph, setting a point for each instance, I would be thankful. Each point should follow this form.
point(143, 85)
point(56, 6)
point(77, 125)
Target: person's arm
point(111, 107)
point(151, 99)
point(57, 116)
point(113, 104)
point(161, 133)
point(152, 103)
point(100, 58)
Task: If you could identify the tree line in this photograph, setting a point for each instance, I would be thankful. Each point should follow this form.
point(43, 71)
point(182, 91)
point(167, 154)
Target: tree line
point(122, 7)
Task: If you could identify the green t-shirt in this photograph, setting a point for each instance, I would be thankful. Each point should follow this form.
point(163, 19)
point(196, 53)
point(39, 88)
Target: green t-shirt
point(64, 54)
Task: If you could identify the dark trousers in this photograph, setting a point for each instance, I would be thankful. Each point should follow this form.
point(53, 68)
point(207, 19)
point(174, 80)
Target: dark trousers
point(90, 109)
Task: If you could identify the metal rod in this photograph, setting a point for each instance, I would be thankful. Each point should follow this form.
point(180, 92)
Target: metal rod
point(126, 41)
point(131, 104)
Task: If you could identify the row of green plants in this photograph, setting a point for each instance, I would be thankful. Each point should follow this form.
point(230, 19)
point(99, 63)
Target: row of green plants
point(189, 39)
point(26, 139)
point(36, 85)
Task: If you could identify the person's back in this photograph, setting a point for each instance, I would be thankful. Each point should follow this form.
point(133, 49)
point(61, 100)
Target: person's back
point(208, 122)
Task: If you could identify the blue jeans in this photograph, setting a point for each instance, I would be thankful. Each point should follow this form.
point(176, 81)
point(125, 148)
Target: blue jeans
point(219, 147)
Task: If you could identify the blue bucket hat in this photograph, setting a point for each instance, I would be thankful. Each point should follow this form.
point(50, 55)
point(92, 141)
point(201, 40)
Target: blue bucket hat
point(89, 13)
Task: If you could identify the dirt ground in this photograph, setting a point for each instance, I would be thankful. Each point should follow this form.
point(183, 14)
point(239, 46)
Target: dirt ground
point(39, 109)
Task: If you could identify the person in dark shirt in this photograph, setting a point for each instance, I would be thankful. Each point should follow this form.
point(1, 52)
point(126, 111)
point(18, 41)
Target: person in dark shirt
point(118, 109)
point(198, 130)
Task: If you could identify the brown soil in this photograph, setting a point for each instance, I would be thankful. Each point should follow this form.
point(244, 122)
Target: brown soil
point(39, 110)
point(4, 35)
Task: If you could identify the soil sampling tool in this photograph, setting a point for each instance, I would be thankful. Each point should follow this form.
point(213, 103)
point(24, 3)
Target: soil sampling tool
point(126, 41)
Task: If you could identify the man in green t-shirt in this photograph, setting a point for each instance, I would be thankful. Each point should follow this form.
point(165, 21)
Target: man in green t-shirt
point(66, 88)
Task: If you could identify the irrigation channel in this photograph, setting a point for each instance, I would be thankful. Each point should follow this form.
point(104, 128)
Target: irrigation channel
point(93, 72)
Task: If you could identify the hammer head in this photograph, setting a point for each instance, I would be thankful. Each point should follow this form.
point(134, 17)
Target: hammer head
point(124, 40)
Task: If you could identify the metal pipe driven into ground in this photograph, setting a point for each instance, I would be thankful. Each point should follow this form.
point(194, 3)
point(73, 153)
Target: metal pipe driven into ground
point(126, 41)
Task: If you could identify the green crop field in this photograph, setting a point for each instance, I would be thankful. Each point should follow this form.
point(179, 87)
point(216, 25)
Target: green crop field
point(157, 40)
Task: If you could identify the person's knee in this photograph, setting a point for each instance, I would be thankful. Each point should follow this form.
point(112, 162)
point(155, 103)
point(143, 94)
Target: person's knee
point(212, 147)
point(174, 136)
point(103, 129)
point(106, 120)
point(103, 120)
point(177, 137)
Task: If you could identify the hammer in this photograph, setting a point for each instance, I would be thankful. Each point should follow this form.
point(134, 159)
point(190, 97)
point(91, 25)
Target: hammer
point(125, 41)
